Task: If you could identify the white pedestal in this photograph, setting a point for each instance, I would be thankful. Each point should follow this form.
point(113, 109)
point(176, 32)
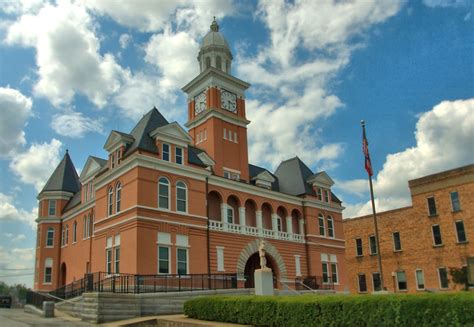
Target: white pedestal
point(263, 281)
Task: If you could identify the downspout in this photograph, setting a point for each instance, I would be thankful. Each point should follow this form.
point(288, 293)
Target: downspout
point(207, 231)
point(308, 263)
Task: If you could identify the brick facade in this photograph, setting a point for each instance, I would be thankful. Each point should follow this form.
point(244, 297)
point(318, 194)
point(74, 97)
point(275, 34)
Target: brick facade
point(414, 225)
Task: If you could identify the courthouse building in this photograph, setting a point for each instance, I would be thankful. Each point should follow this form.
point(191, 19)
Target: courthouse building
point(172, 201)
point(419, 243)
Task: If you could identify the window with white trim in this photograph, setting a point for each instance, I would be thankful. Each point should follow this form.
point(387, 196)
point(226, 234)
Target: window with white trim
point(181, 197)
point(164, 257)
point(455, 204)
point(437, 239)
point(334, 275)
point(50, 237)
point(163, 193)
point(165, 153)
point(74, 232)
point(48, 271)
point(431, 202)
point(359, 248)
point(326, 196)
point(110, 201)
point(117, 254)
point(460, 231)
point(279, 224)
point(112, 160)
point(118, 196)
point(51, 208)
point(420, 279)
point(373, 244)
point(322, 228)
point(330, 223)
point(401, 281)
point(298, 265)
point(329, 268)
point(397, 242)
point(108, 256)
point(178, 155)
point(230, 215)
point(443, 278)
point(225, 134)
point(220, 258)
point(362, 283)
point(235, 137)
point(325, 271)
point(319, 193)
point(182, 244)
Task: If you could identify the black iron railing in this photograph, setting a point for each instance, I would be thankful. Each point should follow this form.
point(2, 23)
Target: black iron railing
point(129, 283)
point(314, 283)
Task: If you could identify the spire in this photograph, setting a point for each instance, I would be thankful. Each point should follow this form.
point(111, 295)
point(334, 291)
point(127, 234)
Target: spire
point(64, 177)
point(214, 25)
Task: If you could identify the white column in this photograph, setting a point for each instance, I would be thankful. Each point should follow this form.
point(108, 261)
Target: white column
point(259, 218)
point(224, 215)
point(289, 225)
point(301, 223)
point(242, 216)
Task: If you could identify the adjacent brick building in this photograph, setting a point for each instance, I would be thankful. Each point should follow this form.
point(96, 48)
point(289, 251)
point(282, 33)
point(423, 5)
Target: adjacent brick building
point(174, 201)
point(418, 243)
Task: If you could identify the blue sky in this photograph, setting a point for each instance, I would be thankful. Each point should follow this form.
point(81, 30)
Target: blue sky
point(72, 71)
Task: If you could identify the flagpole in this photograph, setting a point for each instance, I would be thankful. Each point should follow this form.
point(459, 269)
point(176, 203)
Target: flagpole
point(374, 214)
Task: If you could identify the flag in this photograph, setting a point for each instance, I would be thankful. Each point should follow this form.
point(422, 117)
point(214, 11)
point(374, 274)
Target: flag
point(365, 149)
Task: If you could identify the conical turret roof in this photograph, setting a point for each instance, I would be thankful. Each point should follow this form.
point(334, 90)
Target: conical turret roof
point(64, 177)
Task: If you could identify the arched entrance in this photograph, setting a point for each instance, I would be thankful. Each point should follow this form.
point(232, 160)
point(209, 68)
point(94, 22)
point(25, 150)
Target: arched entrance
point(252, 264)
point(62, 278)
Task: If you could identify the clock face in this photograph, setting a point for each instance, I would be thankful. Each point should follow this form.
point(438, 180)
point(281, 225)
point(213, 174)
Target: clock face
point(200, 103)
point(228, 101)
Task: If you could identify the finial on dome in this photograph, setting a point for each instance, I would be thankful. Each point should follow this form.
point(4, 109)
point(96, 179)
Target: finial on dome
point(214, 25)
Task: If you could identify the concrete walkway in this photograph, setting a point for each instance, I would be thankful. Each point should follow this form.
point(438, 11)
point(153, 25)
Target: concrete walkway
point(19, 318)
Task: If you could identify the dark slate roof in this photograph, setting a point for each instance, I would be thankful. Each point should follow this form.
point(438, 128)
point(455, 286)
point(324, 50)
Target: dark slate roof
point(74, 201)
point(100, 161)
point(292, 176)
point(64, 177)
point(141, 132)
point(193, 156)
point(256, 170)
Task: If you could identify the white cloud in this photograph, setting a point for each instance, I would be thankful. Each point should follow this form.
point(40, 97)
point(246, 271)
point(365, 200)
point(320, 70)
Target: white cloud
point(18, 265)
point(75, 125)
point(13, 7)
point(9, 212)
point(35, 165)
point(324, 31)
point(446, 3)
point(67, 54)
point(444, 140)
point(11, 236)
point(15, 108)
point(124, 40)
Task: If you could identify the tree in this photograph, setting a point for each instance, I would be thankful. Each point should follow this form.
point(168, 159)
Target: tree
point(459, 276)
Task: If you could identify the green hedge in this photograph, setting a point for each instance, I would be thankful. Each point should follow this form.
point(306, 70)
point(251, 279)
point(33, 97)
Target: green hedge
point(316, 310)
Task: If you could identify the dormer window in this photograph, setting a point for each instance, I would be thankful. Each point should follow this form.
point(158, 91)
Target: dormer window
point(326, 196)
point(234, 175)
point(119, 156)
point(165, 155)
point(178, 155)
point(319, 193)
point(112, 160)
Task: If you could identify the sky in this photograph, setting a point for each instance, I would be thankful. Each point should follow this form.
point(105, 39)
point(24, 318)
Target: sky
point(71, 71)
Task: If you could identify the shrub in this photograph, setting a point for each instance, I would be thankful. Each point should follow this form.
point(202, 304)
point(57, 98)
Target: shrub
point(316, 310)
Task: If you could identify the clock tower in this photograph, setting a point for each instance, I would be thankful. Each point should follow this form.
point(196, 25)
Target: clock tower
point(216, 108)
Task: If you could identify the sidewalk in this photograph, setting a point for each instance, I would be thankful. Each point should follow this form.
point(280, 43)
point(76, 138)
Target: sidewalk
point(19, 318)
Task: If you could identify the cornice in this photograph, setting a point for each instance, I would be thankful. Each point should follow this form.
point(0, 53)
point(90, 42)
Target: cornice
point(218, 113)
point(55, 195)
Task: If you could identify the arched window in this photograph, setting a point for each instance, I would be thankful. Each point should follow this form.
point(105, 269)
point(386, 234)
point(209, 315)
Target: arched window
point(181, 197)
point(219, 63)
point(118, 196)
point(330, 227)
point(74, 232)
point(48, 271)
point(163, 193)
point(50, 237)
point(110, 201)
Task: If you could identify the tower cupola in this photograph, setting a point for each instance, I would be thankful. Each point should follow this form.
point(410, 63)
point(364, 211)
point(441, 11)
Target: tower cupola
point(215, 51)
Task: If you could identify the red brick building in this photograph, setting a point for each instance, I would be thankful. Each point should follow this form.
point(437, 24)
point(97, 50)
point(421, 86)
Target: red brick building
point(418, 243)
point(174, 201)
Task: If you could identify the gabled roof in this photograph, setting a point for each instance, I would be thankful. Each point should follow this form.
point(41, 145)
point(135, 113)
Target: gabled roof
point(64, 177)
point(194, 155)
point(116, 138)
point(321, 179)
point(92, 166)
point(173, 132)
point(141, 132)
point(75, 200)
point(292, 176)
point(255, 171)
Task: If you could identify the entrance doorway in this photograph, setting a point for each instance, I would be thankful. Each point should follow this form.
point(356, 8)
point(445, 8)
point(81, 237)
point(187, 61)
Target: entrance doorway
point(62, 280)
point(252, 264)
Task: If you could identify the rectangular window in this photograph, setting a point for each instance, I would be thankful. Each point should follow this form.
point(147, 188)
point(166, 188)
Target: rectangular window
point(225, 134)
point(359, 250)
point(325, 272)
point(178, 155)
point(373, 244)
point(330, 227)
point(298, 265)
point(397, 243)
point(112, 160)
point(443, 277)
point(230, 215)
point(163, 260)
point(460, 232)
point(401, 281)
point(50, 238)
point(326, 195)
point(48, 273)
point(74, 232)
point(119, 156)
point(117, 259)
point(108, 258)
point(226, 174)
point(182, 261)
point(431, 206)
point(455, 204)
point(205, 134)
point(376, 281)
point(334, 276)
point(279, 226)
point(320, 194)
point(420, 279)
point(362, 283)
point(437, 240)
point(220, 258)
point(52, 208)
point(166, 152)
point(322, 229)
point(235, 137)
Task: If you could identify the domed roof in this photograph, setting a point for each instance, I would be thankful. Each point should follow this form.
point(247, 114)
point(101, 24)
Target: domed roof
point(214, 39)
